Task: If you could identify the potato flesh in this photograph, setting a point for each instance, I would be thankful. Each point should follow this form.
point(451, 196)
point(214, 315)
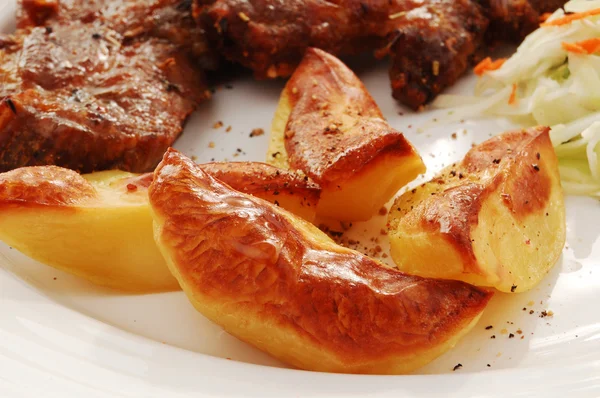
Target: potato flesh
point(110, 246)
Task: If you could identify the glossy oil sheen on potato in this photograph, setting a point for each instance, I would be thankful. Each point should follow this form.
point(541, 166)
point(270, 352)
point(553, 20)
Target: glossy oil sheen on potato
point(328, 126)
point(280, 284)
point(497, 218)
point(98, 226)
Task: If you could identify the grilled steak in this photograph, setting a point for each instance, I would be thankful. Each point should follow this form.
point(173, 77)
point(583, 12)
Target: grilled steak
point(74, 96)
point(429, 42)
point(133, 19)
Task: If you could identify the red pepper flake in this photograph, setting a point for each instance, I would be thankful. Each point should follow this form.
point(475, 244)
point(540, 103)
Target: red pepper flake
point(527, 242)
point(257, 133)
point(218, 125)
point(132, 187)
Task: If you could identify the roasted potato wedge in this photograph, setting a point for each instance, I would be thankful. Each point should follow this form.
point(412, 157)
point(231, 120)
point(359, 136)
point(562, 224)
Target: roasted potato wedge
point(328, 126)
point(99, 226)
point(279, 283)
point(495, 219)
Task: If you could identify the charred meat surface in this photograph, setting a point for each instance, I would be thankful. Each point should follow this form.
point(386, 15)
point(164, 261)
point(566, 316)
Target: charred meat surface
point(429, 42)
point(91, 103)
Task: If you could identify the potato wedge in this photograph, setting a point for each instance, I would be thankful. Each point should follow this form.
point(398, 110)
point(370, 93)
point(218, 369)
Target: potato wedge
point(495, 219)
point(279, 283)
point(328, 126)
point(99, 226)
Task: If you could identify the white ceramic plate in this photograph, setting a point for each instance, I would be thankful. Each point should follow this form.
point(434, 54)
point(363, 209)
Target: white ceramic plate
point(61, 336)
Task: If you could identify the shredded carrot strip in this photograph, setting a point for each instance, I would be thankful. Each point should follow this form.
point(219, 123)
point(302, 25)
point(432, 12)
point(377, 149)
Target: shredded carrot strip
point(589, 46)
point(573, 48)
point(545, 16)
point(488, 65)
point(567, 19)
point(513, 95)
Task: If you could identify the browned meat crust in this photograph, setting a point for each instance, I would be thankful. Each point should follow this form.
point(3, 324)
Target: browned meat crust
point(74, 96)
point(134, 19)
point(429, 42)
point(515, 19)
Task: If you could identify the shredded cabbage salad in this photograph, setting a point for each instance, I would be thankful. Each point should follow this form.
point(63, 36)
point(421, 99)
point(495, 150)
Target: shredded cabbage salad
point(553, 79)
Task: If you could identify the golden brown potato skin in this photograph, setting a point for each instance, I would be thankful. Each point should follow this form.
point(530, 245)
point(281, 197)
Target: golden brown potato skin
point(282, 285)
point(499, 214)
point(335, 127)
point(328, 126)
point(44, 186)
point(256, 178)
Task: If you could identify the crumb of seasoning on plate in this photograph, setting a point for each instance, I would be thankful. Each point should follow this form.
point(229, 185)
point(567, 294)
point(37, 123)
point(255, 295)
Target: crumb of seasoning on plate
point(257, 132)
point(493, 336)
point(513, 288)
point(488, 365)
point(458, 366)
point(211, 144)
point(194, 158)
point(218, 125)
point(228, 129)
point(504, 331)
point(499, 354)
point(454, 136)
point(545, 313)
point(511, 335)
point(489, 327)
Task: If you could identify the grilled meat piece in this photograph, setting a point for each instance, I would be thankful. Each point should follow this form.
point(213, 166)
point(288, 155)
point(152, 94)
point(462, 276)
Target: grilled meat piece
point(74, 96)
point(514, 19)
point(429, 42)
point(133, 19)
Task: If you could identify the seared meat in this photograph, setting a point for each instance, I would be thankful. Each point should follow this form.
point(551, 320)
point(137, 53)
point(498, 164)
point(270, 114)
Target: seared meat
point(430, 42)
point(74, 96)
point(133, 19)
point(515, 19)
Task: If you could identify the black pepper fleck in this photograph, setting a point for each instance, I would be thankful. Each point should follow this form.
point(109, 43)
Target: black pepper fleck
point(513, 288)
point(458, 366)
point(11, 105)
